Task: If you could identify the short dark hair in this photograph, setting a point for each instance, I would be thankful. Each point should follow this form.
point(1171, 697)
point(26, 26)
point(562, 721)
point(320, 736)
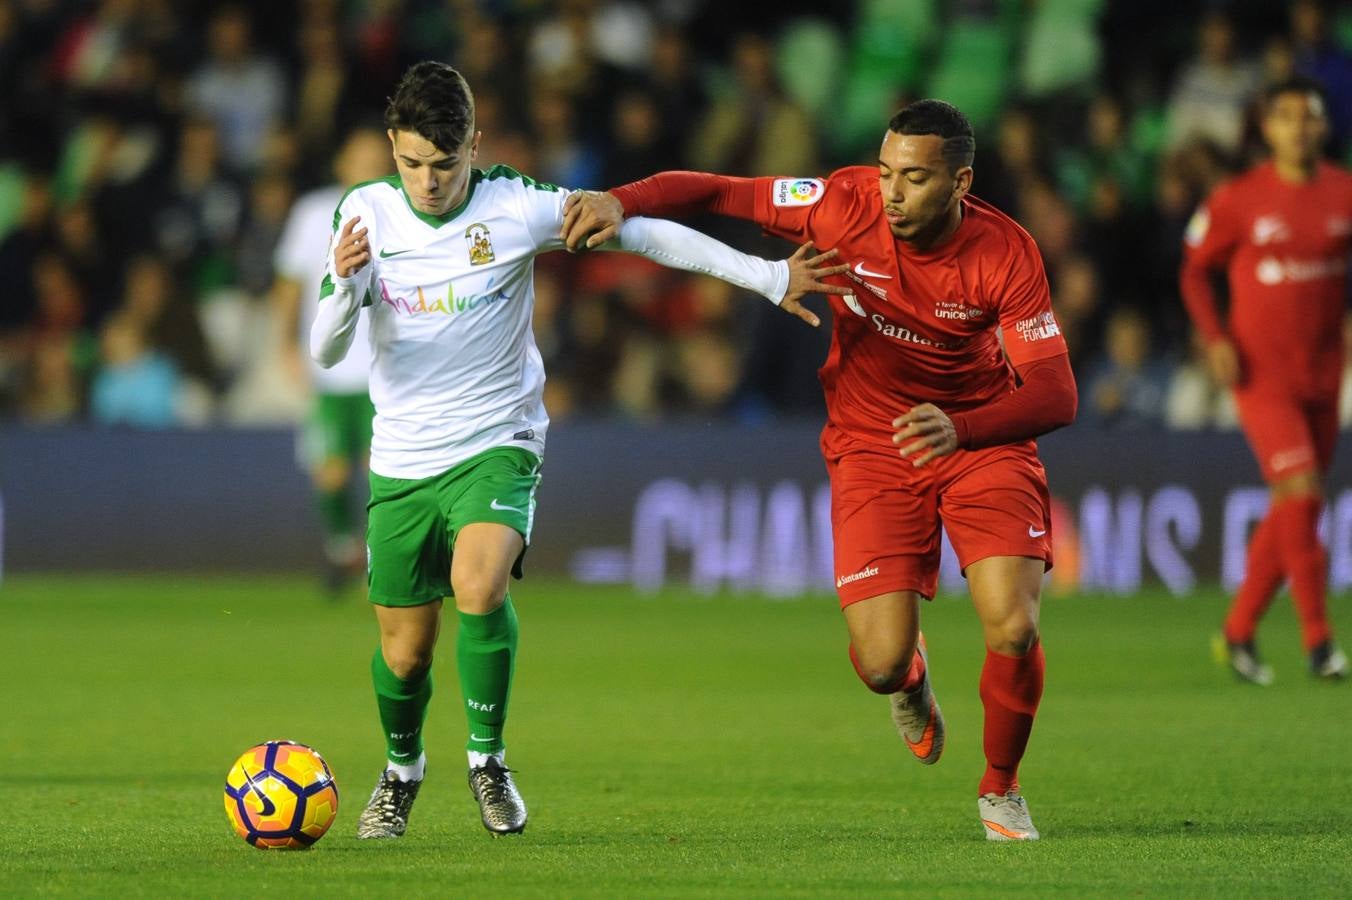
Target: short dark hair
point(435, 101)
point(943, 119)
point(1296, 84)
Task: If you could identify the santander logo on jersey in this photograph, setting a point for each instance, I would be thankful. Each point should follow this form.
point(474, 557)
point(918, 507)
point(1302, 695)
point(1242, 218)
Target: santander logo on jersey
point(1273, 271)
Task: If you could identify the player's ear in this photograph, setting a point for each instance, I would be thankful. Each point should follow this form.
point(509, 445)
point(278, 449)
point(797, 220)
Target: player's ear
point(474, 148)
point(962, 181)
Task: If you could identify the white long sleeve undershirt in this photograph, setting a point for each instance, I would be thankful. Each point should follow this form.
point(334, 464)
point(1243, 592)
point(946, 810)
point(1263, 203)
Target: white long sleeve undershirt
point(664, 242)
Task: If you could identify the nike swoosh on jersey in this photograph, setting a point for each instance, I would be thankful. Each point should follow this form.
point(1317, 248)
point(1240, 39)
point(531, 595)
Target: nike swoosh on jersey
point(1034, 533)
point(386, 255)
point(494, 504)
point(860, 270)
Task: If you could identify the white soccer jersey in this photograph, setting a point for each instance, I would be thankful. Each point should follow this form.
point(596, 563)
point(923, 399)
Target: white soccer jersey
point(302, 256)
point(455, 370)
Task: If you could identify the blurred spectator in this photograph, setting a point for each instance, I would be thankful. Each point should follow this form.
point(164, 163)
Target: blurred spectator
point(1107, 152)
point(241, 90)
point(322, 88)
point(675, 86)
point(152, 298)
point(135, 385)
point(1079, 308)
point(1126, 388)
point(1193, 401)
point(1013, 162)
point(561, 155)
point(752, 128)
point(1211, 94)
point(636, 148)
point(270, 199)
point(1316, 55)
point(197, 219)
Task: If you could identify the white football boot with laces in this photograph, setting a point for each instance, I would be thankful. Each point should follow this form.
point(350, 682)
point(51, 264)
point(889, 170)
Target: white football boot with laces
point(1005, 817)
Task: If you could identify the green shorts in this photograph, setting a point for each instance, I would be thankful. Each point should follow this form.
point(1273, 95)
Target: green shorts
point(338, 427)
point(411, 524)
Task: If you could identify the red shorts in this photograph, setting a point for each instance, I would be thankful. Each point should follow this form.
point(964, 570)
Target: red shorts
point(1288, 435)
point(886, 515)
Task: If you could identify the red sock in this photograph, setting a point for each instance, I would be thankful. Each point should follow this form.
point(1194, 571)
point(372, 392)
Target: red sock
point(1263, 574)
point(905, 683)
point(1306, 565)
point(1011, 687)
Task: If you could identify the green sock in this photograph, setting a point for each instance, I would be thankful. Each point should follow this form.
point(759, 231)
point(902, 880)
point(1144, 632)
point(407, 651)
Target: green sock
point(403, 708)
point(334, 512)
point(485, 653)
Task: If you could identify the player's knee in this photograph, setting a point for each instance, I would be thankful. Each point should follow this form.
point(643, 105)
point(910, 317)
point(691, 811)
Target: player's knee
point(407, 662)
point(883, 669)
point(1014, 636)
point(478, 593)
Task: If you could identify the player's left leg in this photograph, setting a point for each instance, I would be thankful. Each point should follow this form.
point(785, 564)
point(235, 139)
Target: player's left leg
point(1006, 593)
point(1297, 499)
point(997, 510)
point(490, 504)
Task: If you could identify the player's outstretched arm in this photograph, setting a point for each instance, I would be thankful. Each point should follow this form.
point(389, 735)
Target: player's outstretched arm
point(336, 321)
point(593, 217)
point(783, 283)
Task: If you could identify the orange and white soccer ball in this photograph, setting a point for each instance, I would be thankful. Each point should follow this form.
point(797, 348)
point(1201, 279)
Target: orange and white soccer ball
point(281, 795)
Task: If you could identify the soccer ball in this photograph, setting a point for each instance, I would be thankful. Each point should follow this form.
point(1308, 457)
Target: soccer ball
point(281, 795)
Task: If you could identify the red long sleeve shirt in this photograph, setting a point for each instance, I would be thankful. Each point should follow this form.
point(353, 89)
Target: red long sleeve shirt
point(920, 326)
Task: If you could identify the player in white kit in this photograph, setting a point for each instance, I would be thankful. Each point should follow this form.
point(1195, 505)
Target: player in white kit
point(336, 435)
point(442, 257)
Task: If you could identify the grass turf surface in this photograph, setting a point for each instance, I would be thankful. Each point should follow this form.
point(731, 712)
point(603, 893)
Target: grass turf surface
point(672, 746)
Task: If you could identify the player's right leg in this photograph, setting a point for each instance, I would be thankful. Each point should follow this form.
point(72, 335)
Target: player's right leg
point(409, 567)
point(886, 529)
point(888, 653)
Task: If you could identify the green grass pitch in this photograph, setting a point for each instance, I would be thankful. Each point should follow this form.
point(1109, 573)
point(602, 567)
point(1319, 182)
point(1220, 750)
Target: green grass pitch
point(668, 746)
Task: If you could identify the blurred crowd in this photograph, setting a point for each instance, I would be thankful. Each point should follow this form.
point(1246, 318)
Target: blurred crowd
point(150, 151)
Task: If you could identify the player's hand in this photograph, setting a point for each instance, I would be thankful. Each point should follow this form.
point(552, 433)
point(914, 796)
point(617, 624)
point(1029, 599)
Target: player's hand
point(930, 432)
point(806, 272)
point(1222, 360)
point(351, 252)
point(590, 218)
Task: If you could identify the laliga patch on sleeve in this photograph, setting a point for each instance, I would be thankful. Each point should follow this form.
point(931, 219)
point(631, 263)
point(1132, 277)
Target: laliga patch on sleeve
point(798, 191)
point(1198, 226)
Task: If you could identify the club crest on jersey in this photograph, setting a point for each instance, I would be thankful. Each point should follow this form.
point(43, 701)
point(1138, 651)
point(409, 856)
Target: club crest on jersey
point(480, 246)
point(797, 191)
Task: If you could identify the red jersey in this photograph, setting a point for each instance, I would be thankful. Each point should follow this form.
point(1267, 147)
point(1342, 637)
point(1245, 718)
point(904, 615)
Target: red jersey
point(921, 326)
point(1284, 247)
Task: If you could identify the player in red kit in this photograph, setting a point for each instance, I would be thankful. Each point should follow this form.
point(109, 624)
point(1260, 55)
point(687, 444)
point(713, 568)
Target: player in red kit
point(930, 418)
point(1282, 232)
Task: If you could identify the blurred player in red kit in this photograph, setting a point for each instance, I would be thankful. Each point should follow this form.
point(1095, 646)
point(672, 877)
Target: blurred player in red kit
point(930, 420)
point(1281, 232)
